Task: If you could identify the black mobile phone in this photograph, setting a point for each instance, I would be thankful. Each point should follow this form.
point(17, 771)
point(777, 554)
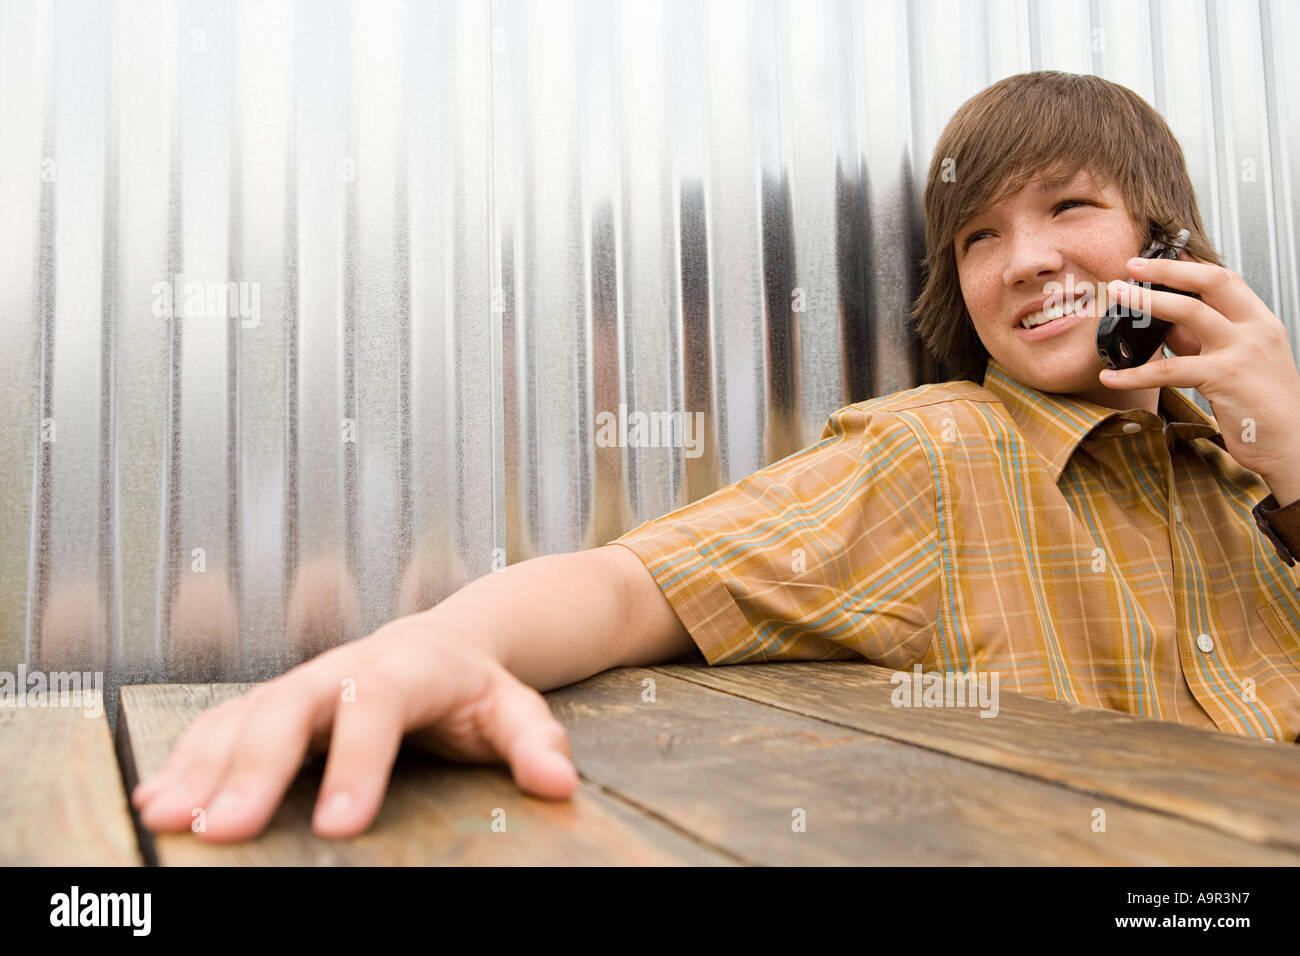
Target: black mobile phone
point(1128, 338)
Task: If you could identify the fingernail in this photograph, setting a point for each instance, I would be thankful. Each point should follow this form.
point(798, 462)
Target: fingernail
point(143, 791)
point(226, 802)
point(146, 786)
point(335, 808)
point(1137, 262)
point(155, 786)
point(561, 766)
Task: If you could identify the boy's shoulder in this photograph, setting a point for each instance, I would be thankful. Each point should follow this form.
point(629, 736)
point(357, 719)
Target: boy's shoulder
point(926, 416)
point(953, 394)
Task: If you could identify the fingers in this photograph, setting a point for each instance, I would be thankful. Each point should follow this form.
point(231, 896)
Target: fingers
point(173, 767)
point(1182, 343)
point(1193, 316)
point(236, 761)
point(1222, 291)
point(246, 750)
point(404, 688)
point(196, 766)
point(367, 734)
point(266, 757)
point(1178, 371)
point(521, 727)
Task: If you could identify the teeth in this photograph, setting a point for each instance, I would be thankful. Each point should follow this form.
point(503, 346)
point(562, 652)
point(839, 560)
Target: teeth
point(1055, 311)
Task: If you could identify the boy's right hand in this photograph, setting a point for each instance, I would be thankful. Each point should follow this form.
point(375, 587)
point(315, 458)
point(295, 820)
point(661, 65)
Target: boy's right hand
point(237, 760)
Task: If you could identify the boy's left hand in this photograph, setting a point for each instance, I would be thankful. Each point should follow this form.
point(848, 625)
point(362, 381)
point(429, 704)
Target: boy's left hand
point(1231, 349)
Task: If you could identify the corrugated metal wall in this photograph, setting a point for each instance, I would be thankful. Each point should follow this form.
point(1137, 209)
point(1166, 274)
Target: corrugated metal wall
point(312, 310)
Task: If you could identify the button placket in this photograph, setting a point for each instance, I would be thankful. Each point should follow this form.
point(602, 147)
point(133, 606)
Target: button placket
point(1185, 616)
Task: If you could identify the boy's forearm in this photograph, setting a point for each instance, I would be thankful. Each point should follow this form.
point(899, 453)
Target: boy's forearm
point(550, 621)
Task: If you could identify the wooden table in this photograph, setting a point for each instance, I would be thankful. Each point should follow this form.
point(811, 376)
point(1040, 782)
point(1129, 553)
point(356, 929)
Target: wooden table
point(806, 763)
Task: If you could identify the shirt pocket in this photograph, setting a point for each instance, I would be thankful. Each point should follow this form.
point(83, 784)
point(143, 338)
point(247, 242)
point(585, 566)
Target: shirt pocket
point(1277, 618)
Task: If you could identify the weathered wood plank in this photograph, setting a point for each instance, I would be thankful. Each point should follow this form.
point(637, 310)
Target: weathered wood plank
point(1240, 786)
point(61, 797)
point(736, 773)
point(435, 813)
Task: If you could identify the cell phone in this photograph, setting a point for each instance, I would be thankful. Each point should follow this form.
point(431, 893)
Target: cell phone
point(1127, 338)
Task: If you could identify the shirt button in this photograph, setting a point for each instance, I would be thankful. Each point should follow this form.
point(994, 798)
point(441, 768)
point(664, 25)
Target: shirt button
point(1205, 642)
point(1178, 513)
point(1131, 428)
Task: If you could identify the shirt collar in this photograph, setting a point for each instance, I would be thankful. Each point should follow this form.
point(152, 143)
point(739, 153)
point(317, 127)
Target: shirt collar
point(1054, 425)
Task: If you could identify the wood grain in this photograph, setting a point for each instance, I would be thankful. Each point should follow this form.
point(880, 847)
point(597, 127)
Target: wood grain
point(1240, 786)
point(735, 773)
point(435, 812)
point(61, 798)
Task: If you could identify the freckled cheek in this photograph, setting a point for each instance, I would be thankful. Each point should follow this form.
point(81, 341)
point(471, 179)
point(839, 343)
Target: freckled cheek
point(982, 301)
point(1104, 252)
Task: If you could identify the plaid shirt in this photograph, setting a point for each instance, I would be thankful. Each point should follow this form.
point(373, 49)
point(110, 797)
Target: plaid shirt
point(1101, 557)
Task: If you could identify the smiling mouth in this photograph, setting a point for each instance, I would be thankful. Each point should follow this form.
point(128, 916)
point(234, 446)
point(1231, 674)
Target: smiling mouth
point(1057, 311)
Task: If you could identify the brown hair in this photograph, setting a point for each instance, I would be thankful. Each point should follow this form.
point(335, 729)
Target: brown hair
point(1033, 125)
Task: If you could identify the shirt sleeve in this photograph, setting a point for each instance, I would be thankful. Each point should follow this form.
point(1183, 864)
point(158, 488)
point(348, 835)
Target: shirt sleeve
point(829, 553)
point(1281, 526)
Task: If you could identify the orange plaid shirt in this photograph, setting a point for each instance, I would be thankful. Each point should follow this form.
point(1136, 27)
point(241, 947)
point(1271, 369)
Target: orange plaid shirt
point(1096, 556)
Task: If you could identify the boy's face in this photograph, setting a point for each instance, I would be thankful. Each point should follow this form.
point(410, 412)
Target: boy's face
point(1059, 244)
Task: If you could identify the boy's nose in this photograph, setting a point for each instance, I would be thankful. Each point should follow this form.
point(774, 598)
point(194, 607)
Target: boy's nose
point(1032, 260)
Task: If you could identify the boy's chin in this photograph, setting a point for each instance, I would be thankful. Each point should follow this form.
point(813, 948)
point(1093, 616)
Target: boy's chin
point(1065, 374)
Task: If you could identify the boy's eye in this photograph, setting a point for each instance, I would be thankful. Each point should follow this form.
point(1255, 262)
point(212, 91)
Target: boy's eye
point(975, 236)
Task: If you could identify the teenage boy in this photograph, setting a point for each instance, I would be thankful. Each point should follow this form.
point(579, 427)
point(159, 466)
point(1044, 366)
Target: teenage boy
point(1092, 537)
